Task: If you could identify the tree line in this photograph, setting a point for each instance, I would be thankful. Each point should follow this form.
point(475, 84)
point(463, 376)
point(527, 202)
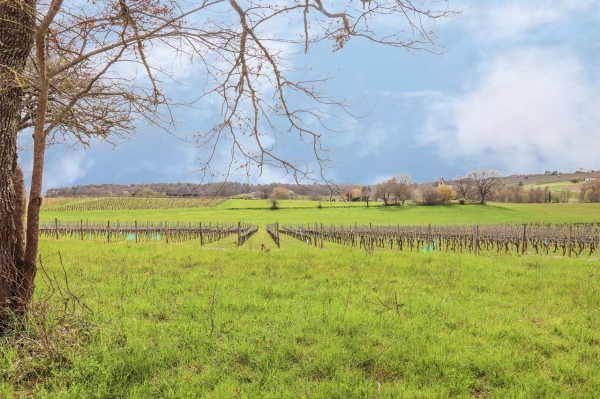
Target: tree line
point(206, 190)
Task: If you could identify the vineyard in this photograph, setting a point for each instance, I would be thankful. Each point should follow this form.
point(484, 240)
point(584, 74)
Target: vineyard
point(205, 233)
point(128, 203)
point(565, 239)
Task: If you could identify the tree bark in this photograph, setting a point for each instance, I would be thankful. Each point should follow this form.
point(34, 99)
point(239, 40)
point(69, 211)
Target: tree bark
point(17, 24)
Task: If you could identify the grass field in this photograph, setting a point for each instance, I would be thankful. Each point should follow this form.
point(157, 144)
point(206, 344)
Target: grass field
point(293, 211)
point(180, 321)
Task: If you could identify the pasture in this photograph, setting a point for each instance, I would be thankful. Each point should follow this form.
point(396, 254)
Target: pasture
point(182, 321)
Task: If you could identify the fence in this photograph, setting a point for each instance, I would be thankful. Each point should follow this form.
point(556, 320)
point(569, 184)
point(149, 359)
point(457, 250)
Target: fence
point(566, 238)
point(147, 231)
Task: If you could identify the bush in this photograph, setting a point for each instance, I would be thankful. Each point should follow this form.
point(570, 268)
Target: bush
point(461, 201)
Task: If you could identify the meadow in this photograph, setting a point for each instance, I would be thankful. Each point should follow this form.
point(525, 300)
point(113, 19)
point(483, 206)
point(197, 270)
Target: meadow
point(177, 320)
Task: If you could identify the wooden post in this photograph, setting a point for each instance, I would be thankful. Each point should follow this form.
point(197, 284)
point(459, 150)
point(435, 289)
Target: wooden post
point(524, 240)
point(321, 235)
point(136, 232)
point(201, 237)
point(429, 243)
point(277, 232)
point(56, 227)
point(475, 239)
point(239, 233)
point(81, 228)
point(569, 241)
point(108, 231)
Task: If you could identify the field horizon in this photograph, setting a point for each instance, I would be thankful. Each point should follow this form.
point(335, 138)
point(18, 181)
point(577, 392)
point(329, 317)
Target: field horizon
point(179, 320)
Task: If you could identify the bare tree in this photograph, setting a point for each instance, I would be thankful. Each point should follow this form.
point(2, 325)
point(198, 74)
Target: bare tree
point(485, 181)
point(401, 188)
point(84, 47)
point(463, 185)
point(365, 194)
point(385, 191)
point(430, 195)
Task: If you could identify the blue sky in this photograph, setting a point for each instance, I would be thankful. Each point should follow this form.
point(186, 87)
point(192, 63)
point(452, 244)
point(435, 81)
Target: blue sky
point(517, 89)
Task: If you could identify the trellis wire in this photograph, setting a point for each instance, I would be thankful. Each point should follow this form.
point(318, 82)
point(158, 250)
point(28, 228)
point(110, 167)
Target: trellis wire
point(137, 231)
point(541, 238)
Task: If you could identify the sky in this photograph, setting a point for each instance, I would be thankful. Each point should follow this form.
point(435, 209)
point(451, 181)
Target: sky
point(516, 87)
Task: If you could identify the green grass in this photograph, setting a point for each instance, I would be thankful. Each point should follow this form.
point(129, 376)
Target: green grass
point(181, 321)
point(357, 212)
point(559, 186)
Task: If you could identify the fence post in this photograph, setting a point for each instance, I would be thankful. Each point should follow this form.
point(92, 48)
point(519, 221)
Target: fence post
point(108, 231)
point(524, 238)
point(475, 239)
point(322, 236)
point(201, 237)
point(239, 233)
point(277, 232)
point(429, 243)
point(569, 241)
point(136, 232)
point(81, 228)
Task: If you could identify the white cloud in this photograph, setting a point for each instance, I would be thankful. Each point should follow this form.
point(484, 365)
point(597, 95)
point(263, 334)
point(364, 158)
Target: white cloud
point(532, 109)
point(517, 16)
point(65, 169)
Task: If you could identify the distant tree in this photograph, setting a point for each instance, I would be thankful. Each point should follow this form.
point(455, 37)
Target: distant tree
point(564, 196)
point(484, 181)
point(280, 193)
point(463, 185)
point(365, 194)
point(148, 192)
point(446, 193)
point(400, 186)
point(536, 195)
point(403, 178)
point(351, 194)
point(430, 195)
point(385, 191)
point(590, 192)
point(401, 192)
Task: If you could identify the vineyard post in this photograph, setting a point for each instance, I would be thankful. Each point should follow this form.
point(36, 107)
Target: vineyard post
point(81, 228)
point(321, 235)
point(315, 233)
point(475, 239)
point(166, 232)
point(239, 233)
point(429, 236)
point(569, 241)
point(56, 227)
point(136, 232)
point(108, 231)
point(201, 237)
point(277, 232)
point(524, 238)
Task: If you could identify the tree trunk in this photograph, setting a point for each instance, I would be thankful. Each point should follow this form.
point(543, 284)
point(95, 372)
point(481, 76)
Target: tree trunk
point(17, 24)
